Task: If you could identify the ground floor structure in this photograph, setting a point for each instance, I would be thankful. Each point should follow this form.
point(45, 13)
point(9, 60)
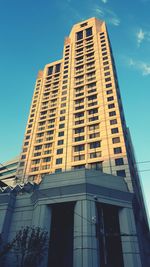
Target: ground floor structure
point(88, 215)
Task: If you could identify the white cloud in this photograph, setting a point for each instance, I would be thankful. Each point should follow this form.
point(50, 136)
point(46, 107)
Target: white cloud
point(104, 1)
point(140, 37)
point(107, 14)
point(98, 11)
point(114, 21)
point(141, 66)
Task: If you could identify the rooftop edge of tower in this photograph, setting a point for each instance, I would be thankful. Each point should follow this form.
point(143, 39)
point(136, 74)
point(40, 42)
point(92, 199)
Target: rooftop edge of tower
point(42, 72)
point(99, 24)
point(87, 23)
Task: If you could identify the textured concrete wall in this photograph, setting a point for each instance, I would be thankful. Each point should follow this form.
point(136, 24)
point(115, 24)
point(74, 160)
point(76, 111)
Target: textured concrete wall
point(32, 206)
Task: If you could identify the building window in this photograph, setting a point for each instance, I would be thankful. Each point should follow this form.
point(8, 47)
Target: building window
point(111, 98)
point(79, 89)
point(37, 154)
point(83, 24)
point(93, 111)
point(95, 144)
point(105, 58)
point(88, 32)
point(79, 138)
point(61, 126)
point(91, 85)
point(95, 155)
point(96, 165)
point(62, 111)
point(26, 143)
point(92, 97)
point(50, 132)
point(121, 173)
point(102, 36)
point(47, 152)
point(109, 92)
point(38, 147)
point(94, 127)
point(64, 87)
point(79, 130)
point(79, 122)
point(48, 145)
point(50, 70)
point(64, 92)
point(63, 98)
point(34, 169)
point(78, 115)
point(106, 68)
point(79, 35)
point(94, 135)
point(60, 134)
point(79, 157)
point(60, 142)
point(79, 51)
point(119, 162)
point(59, 151)
point(57, 68)
point(79, 148)
point(107, 73)
point(62, 118)
point(112, 113)
point(113, 122)
point(79, 107)
point(116, 140)
point(79, 101)
point(23, 156)
point(114, 130)
point(108, 85)
point(48, 159)
point(90, 56)
point(40, 134)
point(105, 63)
point(59, 161)
point(111, 106)
point(66, 71)
point(117, 150)
point(93, 118)
point(93, 104)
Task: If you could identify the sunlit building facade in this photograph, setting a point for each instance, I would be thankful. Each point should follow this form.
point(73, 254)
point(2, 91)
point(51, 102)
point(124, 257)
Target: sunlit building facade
point(76, 118)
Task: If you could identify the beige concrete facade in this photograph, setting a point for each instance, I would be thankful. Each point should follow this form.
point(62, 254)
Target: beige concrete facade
point(76, 118)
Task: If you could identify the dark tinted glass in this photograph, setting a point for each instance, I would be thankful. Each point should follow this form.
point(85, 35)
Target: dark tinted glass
point(50, 70)
point(79, 35)
point(88, 32)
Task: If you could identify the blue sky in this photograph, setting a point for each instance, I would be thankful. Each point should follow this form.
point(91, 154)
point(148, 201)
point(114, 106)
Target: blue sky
point(32, 34)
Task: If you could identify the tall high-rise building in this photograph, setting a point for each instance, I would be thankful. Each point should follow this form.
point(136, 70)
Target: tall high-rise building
point(76, 118)
point(77, 122)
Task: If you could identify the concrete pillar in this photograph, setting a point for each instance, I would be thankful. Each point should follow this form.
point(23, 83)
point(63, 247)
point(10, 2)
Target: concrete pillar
point(42, 218)
point(7, 203)
point(129, 239)
point(86, 252)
